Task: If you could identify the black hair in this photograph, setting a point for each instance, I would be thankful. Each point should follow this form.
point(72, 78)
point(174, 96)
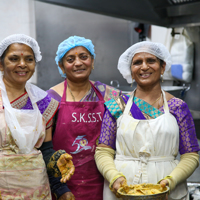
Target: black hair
point(4, 55)
point(161, 62)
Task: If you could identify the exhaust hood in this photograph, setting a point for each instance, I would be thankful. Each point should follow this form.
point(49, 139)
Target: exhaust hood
point(167, 13)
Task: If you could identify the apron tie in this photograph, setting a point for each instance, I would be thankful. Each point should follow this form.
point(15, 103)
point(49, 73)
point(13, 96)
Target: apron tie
point(144, 157)
point(143, 161)
point(151, 159)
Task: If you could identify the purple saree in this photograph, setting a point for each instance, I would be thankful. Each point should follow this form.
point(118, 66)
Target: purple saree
point(47, 106)
point(187, 136)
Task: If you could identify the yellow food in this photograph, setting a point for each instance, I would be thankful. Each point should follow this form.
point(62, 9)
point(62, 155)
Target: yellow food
point(66, 167)
point(141, 189)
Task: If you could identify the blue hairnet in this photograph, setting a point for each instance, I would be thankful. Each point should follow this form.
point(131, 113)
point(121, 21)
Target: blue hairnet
point(70, 43)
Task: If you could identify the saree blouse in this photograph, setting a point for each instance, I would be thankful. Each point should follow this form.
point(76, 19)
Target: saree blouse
point(47, 106)
point(178, 108)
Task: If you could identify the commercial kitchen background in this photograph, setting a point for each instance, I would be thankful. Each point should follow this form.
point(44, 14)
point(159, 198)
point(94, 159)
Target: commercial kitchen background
point(51, 24)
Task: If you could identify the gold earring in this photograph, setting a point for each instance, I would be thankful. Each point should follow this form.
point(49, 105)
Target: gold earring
point(132, 82)
point(92, 66)
point(162, 78)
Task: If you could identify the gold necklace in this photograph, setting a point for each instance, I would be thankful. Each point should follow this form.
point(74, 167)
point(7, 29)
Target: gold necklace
point(156, 99)
point(71, 92)
point(73, 95)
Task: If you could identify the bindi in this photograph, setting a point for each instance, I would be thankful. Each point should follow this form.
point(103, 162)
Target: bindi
point(22, 54)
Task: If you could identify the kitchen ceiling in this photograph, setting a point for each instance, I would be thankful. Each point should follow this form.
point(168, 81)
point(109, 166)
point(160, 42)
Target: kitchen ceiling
point(167, 13)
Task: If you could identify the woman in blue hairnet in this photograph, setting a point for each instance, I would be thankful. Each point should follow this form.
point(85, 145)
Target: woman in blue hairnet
point(79, 118)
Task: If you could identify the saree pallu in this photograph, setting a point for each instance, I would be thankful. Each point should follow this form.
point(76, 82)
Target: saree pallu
point(23, 176)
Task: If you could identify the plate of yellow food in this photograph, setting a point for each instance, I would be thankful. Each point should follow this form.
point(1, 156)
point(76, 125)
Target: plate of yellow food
point(143, 191)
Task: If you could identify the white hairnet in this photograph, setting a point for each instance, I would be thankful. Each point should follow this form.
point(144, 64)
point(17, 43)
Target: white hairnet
point(156, 49)
point(24, 39)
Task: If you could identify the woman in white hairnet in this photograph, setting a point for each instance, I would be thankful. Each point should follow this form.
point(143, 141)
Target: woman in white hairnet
point(142, 132)
point(26, 113)
point(79, 117)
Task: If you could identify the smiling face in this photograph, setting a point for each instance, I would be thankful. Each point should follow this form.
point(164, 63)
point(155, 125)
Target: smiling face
point(77, 64)
point(18, 64)
point(146, 69)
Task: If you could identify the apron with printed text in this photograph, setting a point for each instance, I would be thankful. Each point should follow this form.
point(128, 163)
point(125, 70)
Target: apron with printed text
point(77, 132)
point(146, 150)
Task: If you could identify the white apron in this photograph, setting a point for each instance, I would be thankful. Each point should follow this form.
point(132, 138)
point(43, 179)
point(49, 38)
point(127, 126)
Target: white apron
point(25, 125)
point(22, 176)
point(146, 150)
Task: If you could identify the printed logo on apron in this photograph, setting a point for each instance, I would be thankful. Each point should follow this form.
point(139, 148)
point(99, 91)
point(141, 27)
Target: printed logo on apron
point(81, 143)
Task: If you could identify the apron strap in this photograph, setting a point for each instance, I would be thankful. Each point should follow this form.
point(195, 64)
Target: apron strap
point(97, 92)
point(1, 102)
point(165, 106)
point(63, 99)
point(129, 103)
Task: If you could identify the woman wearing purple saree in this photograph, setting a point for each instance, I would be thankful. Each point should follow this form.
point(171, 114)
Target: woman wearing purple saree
point(79, 118)
point(142, 132)
point(26, 113)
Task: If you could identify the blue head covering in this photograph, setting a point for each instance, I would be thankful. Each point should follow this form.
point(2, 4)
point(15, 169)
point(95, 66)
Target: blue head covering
point(70, 43)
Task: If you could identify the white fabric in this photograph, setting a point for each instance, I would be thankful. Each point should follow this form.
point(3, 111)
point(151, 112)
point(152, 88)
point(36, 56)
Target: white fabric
point(156, 49)
point(146, 150)
point(182, 52)
point(24, 39)
point(25, 125)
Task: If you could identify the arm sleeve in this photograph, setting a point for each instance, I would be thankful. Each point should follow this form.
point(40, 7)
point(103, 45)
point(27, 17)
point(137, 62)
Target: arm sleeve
point(104, 158)
point(47, 151)
point(57, 187)
point(108, 130)
point(187, 165)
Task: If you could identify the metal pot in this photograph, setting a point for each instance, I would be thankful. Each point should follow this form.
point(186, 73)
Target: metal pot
point(160, 196)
